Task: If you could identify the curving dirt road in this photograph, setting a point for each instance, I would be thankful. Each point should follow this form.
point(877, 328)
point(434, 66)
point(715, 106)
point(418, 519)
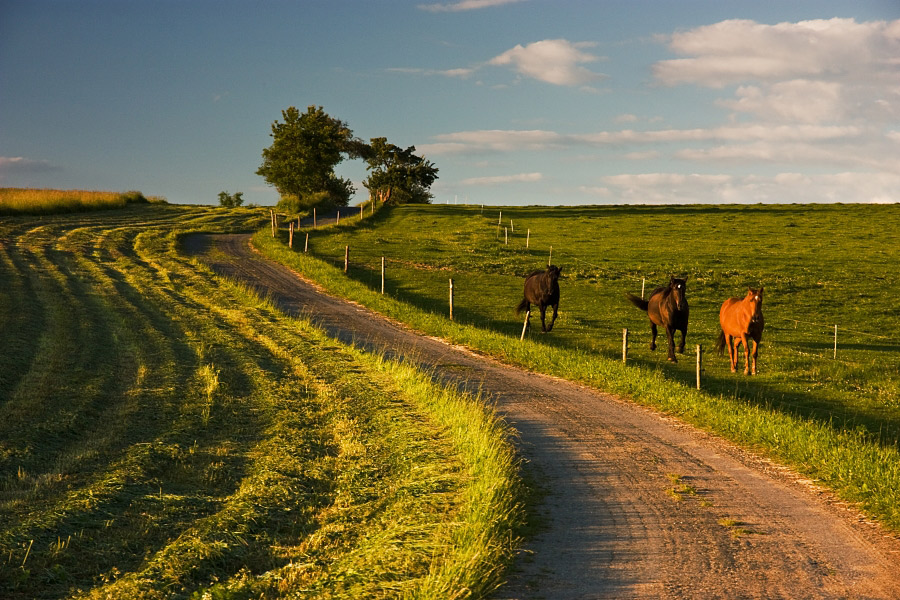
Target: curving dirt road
point(637, 505)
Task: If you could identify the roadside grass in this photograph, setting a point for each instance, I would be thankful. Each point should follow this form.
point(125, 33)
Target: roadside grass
point(837, 421)
point(43, 201)
point(167, 432)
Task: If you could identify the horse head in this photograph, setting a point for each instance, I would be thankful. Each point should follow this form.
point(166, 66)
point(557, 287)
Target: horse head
point(755, 299)
point(553, 273)
point(677, 288)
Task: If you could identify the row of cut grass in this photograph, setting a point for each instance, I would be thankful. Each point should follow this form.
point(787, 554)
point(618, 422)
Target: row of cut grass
point(175, 434)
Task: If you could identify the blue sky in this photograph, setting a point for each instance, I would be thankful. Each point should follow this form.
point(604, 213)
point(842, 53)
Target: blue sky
point(516, 102)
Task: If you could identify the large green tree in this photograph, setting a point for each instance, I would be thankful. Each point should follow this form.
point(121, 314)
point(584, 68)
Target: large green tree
point(398, 176)
point(304, 152)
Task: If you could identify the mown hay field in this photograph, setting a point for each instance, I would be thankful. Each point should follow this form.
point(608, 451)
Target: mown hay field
point(165, 432)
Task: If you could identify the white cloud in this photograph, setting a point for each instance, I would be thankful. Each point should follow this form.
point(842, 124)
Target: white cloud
point(551, 61)
point(811, 71)
point(461, 73)
point(10, 165)
point(741, 50)
point(465, 5)
point(677, 188)
point(500, 140)
point(841, 155)
point(626, 118)
point(502, 179)
point(496, 141)
point(797, 100)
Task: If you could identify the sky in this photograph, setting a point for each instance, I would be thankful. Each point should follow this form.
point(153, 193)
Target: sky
point(516, 102)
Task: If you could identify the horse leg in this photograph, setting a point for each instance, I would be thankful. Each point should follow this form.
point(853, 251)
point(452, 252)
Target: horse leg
point(543, 313)
point(732, 344)
point(553, 318)
point(652, 336)
point(746, 353)
point(683, 337)
point(670, 337)
point(755, 352)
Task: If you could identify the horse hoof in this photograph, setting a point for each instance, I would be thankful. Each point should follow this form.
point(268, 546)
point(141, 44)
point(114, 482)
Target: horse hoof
point(672, 359)
point(653, 346)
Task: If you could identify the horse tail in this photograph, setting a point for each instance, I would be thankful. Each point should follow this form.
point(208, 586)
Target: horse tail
point(639, 302)
point(720, 343)
point(523, 305)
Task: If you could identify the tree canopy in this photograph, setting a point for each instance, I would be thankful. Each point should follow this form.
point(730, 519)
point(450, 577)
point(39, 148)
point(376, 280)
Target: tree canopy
point(304, 152)
point(231, 200)
point(307, 147)
point(398, 176)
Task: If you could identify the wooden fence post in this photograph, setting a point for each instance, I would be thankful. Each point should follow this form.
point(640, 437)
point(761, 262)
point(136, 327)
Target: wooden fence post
point(506, 235)
point(382, 274)
point(550, 259)
point(499, 220)
point(360, 212)
point(643, 283)
point(525, 324)
point(291, 235)
point(306, 245)
point(699, 363)
point(835, 342)
point(625, 345)
point(346, 258)
point(315, 223)
point(527, 239)
point(272, 221)
point(451, 299)
point(338, 220)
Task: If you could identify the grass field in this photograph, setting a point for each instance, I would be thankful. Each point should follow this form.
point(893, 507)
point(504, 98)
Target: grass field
point(14, 201)
point(837, 420)
point(168, 433)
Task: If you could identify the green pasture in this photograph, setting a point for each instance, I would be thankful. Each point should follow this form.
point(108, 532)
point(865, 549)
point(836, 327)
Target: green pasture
point(165, 432)
point(821, 266)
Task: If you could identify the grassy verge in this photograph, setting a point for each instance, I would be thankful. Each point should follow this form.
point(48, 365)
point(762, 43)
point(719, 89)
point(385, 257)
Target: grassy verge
point(848, 444)
point(165, 432)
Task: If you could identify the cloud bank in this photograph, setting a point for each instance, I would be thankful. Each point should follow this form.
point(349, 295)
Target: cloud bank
point(812, 107)
point(465, 5)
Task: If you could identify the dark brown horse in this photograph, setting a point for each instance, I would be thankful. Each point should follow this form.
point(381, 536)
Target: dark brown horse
point(542, 288)
point(667, 307)
point(742, 318)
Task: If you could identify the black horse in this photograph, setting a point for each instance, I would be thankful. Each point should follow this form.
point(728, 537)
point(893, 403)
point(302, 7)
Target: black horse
point(542, 288)
point(667, 307)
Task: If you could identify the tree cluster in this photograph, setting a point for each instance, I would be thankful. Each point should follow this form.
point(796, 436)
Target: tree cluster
point(231, 200)
point(307, 147)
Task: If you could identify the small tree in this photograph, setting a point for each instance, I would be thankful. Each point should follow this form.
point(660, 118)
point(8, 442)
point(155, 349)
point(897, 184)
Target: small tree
point(305, 149)
point(231, 200)
point(398, 176)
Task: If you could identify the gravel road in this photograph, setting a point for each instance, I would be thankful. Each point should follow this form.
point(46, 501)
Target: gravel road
point(638, 505)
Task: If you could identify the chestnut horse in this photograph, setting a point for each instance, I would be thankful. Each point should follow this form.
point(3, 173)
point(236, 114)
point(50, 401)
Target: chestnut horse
point(667, 307)
point(742, 318)
point(542, 288)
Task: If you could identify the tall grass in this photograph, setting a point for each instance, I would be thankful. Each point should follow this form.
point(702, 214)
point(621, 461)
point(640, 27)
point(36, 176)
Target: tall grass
point(43, 201)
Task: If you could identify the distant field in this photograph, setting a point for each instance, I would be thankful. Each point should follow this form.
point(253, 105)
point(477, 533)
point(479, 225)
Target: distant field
point(167, 433)
point(39, 201)
point(821, 265)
